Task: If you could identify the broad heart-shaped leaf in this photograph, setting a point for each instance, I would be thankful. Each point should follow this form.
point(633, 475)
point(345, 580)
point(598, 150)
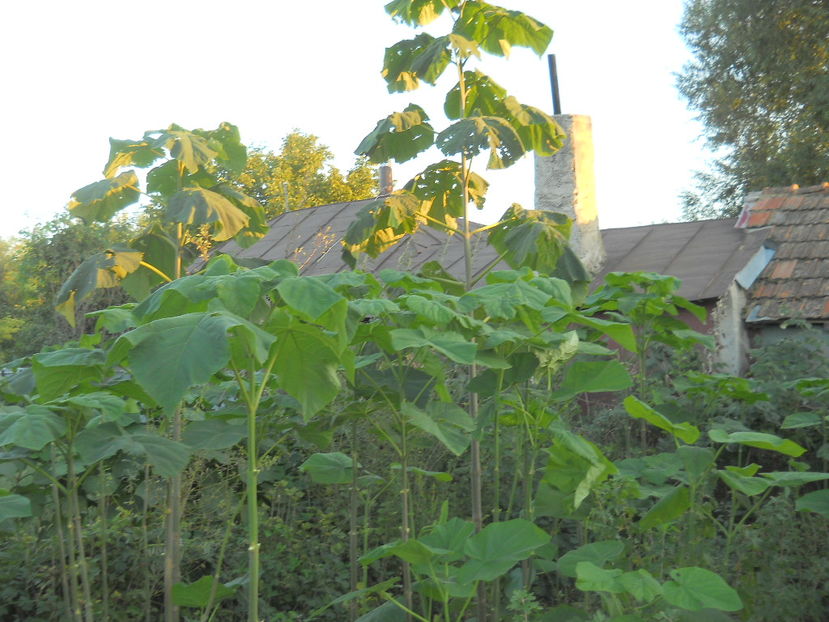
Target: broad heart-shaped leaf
point(101, 200)
point(449, 538)
point(197, 594)
point(213, 434)
point(483, 96)
point(100, 270)
point(759, 440)
point(448, 423)
point(620, 332)
point(157, 250)
point(32, 428)
point(473, 134)
point(749, 486)
point(801, 420)
point(123, 153)
point(191, 149)
point(532, 238)
point(441, 185)
point(597, 553)
point(60, 371)
point(592, 578)
point(400, 136)
point(198, 206)
point(311, 297)
point(411, 60)
point(498, 547)
point(166, 456)
point(497, 29)
point(592, 377)
point(14, 506)
point(539, 132)
point(505, 300)
point(226, 141)
point(306, 363)
point(170, 355)
point(639, 410)
point(418, 12)
point(817, 501)
point(794, 478)
point(697, 588)
point(641, 585)
point(668, 508)
point(330, 468)
point(257, 225)
point(451, 344)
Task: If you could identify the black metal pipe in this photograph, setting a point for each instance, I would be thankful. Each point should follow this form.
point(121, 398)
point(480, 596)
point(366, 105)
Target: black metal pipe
point(551, 59)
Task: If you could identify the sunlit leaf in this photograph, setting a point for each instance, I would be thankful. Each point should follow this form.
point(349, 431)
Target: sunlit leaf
point(400, 136)
point(192, 150)
point(122, 153)
point(197, 594)
point(498, 547)
point(639, 410)
point(411, 60)
point(474, 134)
point(101, 200)
point(759, 440)
point(418, 12)
point(198, 206)
point(497, 29)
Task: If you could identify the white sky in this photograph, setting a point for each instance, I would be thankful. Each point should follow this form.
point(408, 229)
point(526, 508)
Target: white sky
point(75, 73)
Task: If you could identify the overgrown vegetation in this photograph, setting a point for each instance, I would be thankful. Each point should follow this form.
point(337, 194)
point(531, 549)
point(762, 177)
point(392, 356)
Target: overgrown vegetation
point(247, 443)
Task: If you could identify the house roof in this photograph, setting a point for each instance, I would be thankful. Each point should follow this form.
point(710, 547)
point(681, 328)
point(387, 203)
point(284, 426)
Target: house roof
point(705, 255)
point(795, 283)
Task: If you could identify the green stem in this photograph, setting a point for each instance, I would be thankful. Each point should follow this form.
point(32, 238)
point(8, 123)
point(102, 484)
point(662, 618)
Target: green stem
point(217, 572)
point(77, 524)
point(404, 526)
point(102, 510)
point(352, 523)
point(61, 538)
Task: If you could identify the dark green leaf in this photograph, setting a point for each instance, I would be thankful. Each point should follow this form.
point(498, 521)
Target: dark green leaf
point(668, 508)
point(101, 200)
point(61, 371)
point(400, 136)
point(476, 133)
point(448, 423)
point(197, 594)
point(817, 501)
point(14, 506)
point(598, 553)
point(32, 428)
point(198, 206)
point(639, 410)
point(411, 60)
point(498, 547)
point(213, 434)
point(123, 153)
point(331, 468)
point(592, 377)
point(696, 588)
point(592, 578)
point(449, 343)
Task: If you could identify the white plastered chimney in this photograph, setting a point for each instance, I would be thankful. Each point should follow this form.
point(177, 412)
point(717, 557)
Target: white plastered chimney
point(566, 183)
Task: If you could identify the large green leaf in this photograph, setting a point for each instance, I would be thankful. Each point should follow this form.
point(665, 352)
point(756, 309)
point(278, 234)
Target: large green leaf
point(197, 594)
point(817, 501)
point(60, 371)
point(749, 486)
point(473, 134)
point(101, 200)
point(198, 206)
point(620, 332)
point(213, 434)
point(801, 420)
point(32, 428)
point(306, 363)
point(411, 60)
point(307, 295)
point(400, 136)
point(497, 29)
point(166, 456)
point(592, 377)
point(483, 97)
point(449, 343)
point(597, 553)
point(639, 410)
point(329, 468)
point(697, 588)
point(14, 506)
point(448, 423)
point(440, 185)
point(170, 355)
point(795, 478)
point(382, 222)
point(759, 440)
point(592, 578)
point(504, 300)
point(498, 547)
point(668, 508)
point(539, 132)
point(189, 148)
point(226, 142)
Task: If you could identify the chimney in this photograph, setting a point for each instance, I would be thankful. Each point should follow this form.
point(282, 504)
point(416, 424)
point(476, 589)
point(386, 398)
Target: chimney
point(566, 183)
point(386, 181)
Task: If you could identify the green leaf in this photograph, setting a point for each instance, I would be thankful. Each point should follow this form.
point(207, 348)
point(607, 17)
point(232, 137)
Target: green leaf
point(101, 200)
point(668, 508)
point(400, 136)
point(227, 143)
point(33, 428)
point(801, 420)
point(192, 150)
point(498, 547)
point(591, 578)
point(696, 588)
point(197, 594)
point(641, 585)
point(308, 295)
point(598, 553)
point(497, 29)
point(472, 135)
point(198, 206)
point(306, 363)
point(213, 434)
point(14, 506)
point(538, 131)
point(592, 377)
point(817, 501)
point(330, 468)
point(483, 97)
point(620, 332)
point(440, 187)
point(411, 60)
point(696, 460)
point(449, 343)
point(167, 457)
point(448, 423)
point(794, 478)
point(382, 222)
point(639, 410)
point(418, 12)
point(123, 153)
point(61, 371)
point(759, 440)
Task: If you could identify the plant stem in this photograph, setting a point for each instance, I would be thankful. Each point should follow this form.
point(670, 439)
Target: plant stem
point(404, 526)
point(102, 511)
point(61, 538)
point(75, 510)
point(352, 523)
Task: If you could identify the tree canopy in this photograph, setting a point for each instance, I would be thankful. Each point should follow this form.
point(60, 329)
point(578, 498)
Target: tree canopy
point(760, 82)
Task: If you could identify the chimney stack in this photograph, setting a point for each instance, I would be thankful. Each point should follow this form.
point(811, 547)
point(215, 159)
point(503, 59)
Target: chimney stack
point(386, 180)
point(566, 183)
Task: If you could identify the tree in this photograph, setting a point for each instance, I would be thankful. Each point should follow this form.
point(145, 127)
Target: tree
point(303, 164)
point(760, 81)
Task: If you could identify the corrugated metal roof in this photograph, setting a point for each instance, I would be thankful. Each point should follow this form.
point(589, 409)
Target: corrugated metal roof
point(795, 283)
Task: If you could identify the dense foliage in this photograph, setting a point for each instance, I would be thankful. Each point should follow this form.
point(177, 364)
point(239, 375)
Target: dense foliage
point(760, 81)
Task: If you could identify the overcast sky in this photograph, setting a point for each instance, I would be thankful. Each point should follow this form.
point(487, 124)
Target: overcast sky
point(76, 73)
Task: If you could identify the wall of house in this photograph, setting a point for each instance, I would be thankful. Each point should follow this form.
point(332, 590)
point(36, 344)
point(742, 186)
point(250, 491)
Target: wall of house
point(730, 331)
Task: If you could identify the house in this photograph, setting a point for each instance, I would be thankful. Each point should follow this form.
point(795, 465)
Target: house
point(752, 273)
